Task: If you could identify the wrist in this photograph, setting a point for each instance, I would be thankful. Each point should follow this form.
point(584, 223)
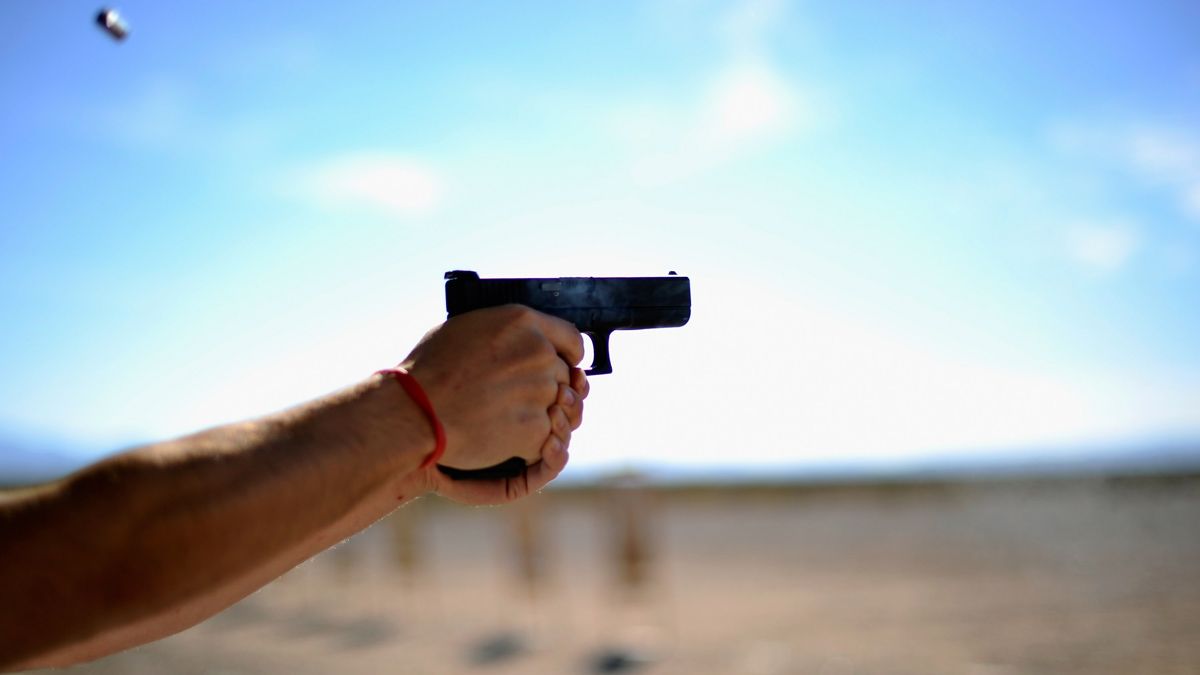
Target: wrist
point(416, 393)
point(398, 429)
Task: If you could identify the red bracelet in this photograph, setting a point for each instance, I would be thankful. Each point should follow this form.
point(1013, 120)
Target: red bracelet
point(418, 396)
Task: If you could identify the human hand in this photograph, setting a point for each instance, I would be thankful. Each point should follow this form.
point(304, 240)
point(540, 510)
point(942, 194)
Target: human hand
point(503, 383)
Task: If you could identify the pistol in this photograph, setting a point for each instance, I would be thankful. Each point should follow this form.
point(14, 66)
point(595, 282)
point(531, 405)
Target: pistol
point(596, 305)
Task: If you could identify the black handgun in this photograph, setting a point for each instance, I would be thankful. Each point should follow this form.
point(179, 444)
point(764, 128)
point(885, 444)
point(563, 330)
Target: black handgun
point(596, 305)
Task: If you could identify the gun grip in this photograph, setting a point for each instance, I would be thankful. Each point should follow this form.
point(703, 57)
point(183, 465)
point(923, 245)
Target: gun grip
point(509, 468)
point(601, 365)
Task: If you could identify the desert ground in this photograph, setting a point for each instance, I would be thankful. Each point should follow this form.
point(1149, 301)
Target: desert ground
point(985, 577)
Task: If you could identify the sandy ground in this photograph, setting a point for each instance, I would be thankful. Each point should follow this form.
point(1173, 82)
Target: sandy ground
point(1081, 577)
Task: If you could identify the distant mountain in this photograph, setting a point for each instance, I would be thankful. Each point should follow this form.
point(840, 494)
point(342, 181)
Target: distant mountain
point(1095, 459)
point(1111, 459)
point(23, 461)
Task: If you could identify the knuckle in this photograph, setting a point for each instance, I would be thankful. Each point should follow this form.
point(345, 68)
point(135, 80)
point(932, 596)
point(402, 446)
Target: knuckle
point(513, 319)
point(547, 390)
point(561, 422)
point(521, 314)
point(547, 351)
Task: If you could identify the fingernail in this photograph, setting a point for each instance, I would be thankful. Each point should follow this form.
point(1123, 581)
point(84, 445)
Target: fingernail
point(570, 396)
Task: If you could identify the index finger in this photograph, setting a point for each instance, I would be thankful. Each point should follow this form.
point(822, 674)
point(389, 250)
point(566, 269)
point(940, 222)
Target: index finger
point(565, 337)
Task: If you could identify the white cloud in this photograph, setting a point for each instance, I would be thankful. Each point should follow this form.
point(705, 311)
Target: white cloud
point(1191, 201)
point(1161, 154)
point(396, 185)
point(1162, 157)
point(1166, 154)
point(1102, 247)
point(165, 115)
point(745, 108)
point(744, 105)
point(745, 25)
point(1172, 157)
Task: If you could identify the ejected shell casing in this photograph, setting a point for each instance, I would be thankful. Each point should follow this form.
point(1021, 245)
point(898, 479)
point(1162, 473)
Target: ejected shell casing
point(111, 22)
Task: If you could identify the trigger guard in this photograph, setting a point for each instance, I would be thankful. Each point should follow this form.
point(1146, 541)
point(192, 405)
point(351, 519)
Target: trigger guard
point(601, 363)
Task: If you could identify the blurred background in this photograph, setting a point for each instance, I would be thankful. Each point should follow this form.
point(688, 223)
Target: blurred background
point(937, 408)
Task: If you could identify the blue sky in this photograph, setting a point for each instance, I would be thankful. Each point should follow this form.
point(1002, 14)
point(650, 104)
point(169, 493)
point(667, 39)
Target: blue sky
point(929, 230)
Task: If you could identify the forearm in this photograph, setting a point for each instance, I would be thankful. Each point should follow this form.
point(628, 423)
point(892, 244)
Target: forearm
point(155, 540)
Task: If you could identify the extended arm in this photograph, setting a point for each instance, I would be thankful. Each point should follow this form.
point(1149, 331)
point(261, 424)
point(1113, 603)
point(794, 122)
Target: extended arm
point(154, 540)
